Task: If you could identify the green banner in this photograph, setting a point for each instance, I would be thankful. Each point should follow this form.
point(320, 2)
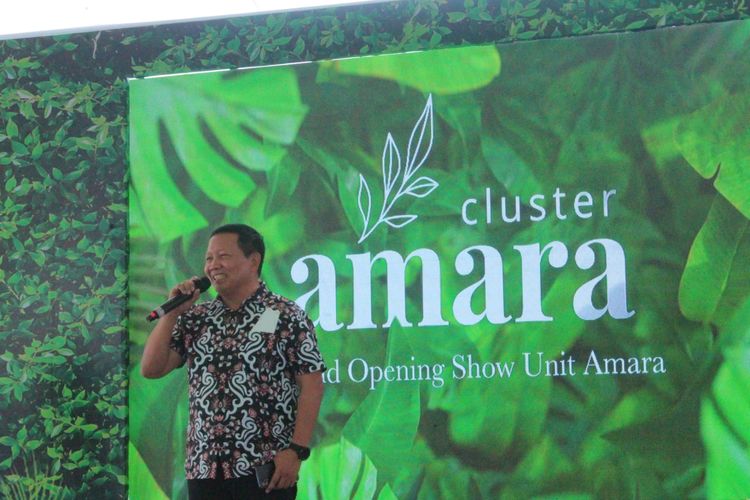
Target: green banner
point(528, 265)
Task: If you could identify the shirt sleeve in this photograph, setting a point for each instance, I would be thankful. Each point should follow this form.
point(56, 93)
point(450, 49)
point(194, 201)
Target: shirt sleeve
point(302, 349)
point(178, 341)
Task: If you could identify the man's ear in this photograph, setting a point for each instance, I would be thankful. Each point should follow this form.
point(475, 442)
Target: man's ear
point(255, 261)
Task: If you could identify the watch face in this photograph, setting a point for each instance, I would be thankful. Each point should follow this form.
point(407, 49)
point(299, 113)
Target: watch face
point(303, 453)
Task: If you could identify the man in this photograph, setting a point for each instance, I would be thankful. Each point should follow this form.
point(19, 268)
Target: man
point(254, 372)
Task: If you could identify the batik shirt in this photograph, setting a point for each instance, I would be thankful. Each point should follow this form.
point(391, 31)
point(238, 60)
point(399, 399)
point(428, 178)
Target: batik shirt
point(241, 371)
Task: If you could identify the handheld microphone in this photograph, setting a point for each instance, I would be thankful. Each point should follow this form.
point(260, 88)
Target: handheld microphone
point(202, 284)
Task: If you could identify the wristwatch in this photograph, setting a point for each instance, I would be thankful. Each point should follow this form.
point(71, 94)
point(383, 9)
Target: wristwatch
point(303, 452)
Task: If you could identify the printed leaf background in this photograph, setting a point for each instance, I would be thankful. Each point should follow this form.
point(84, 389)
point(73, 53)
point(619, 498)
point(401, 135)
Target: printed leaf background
point(660, 117)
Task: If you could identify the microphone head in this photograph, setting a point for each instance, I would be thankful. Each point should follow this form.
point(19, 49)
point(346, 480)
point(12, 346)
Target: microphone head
point(202, 284)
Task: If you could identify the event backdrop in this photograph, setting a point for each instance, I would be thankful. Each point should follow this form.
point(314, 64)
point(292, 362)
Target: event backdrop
point(527, 264)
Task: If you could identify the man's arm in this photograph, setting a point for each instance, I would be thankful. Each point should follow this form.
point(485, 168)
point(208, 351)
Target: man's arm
point(158, 359)
point(308, 406)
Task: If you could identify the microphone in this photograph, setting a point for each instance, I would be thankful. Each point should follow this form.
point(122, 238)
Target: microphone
point(202, 284)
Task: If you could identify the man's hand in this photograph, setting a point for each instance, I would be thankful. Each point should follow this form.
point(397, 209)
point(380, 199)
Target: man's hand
point(158, 359)
point(186, 287)
point(287, 470)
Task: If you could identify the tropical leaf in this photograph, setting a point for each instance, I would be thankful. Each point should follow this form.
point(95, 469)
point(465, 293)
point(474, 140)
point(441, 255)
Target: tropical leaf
point(544, 462)
point(508, 167)
point(339, 470)
point(209, 120)
point(491, 428)
point(355, 197)
point(715, 140)
point(725, 422)
point(391, 410)
point(158, 400)
point(448, 71)
point(142, 483)
point(283, 179)
point(717, 271)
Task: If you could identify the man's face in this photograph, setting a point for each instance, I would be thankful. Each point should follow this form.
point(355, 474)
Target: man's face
point(226, 265)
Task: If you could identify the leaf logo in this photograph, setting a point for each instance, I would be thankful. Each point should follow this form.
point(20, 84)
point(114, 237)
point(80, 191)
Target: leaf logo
point(398, 183)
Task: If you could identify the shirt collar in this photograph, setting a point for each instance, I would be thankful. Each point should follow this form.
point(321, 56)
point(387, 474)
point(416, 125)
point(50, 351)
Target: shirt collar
point(257, 296)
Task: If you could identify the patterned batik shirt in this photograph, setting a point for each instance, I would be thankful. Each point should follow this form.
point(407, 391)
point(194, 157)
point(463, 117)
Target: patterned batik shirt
point(241, 372)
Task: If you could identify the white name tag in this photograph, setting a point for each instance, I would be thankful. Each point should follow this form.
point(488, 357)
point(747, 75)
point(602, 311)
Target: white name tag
point(267, 321)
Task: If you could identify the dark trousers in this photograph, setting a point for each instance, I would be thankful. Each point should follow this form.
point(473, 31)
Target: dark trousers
point(243, 488)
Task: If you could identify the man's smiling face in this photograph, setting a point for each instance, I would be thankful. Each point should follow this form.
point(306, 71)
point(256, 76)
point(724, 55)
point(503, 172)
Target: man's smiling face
point(230, 271)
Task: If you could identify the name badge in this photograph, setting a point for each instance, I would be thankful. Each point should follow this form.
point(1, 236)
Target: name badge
point(267, 322)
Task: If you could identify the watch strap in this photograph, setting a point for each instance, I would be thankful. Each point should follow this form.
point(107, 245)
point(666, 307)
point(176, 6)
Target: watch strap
point(303, 452)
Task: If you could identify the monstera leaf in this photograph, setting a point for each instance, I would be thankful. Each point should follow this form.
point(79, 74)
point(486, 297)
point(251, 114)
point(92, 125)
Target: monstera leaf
point(211, 130)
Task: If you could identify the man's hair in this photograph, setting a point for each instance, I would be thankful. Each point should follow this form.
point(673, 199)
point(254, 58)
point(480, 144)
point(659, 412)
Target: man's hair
point(248, 239)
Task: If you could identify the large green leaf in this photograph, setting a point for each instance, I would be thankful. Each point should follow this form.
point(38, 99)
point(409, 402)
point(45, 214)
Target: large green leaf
point(390, 413)
point(717, 273)
point(217, 123)
point(141, 483)
point(336, 471)
point(157, 402)
point(687, 212)
point(508, 167)
point(541, 466)
point(281, 230)
point(447, 71)
point(725, 415)
point(166, 212)
point(715, 140)
point(282, 182)
point(448, 478)
point(490, 415)
point(347, 183)
point(669, 438)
